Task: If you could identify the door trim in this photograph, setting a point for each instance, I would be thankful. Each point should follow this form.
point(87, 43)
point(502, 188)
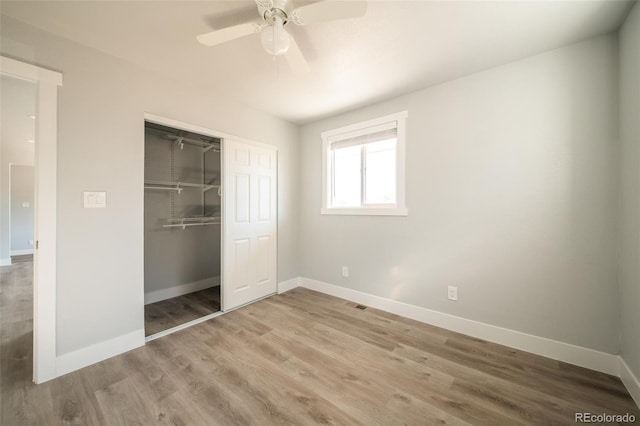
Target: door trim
point(165, 121)
point(176, 124)
point(45, 195)
point(158, 119)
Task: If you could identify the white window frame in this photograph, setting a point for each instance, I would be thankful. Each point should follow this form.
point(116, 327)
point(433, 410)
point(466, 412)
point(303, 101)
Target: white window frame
point(333, 136)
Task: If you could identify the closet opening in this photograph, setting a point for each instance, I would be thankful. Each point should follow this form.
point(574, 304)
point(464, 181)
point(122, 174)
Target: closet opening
point(182, 227)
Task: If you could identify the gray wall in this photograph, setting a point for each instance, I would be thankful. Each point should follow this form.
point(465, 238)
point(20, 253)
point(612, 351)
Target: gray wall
point(21, 216)
point(100, 148)
point(17, 101)
point(630, 189)
point(173, 256)
point(512, 193)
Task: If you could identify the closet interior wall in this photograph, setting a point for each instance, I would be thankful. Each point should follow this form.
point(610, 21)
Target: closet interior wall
point(178, 257)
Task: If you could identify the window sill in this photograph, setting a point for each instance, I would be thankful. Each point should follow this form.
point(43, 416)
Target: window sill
point(395, 211)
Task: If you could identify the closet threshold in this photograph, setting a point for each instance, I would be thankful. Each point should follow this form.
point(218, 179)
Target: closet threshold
point(182, 326)
point(202, 319)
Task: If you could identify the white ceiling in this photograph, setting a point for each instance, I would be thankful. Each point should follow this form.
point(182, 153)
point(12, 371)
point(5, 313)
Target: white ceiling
point(398, 47)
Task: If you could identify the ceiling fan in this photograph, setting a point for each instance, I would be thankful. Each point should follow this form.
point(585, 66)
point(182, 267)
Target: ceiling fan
point(275, 15)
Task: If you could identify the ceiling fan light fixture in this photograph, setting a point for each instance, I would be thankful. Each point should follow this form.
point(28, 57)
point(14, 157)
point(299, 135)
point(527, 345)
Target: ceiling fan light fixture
point(275, 39)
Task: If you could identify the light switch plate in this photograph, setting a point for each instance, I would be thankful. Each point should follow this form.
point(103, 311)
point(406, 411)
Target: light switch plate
point(25, 204)
point(95, 200)
point(452, 293)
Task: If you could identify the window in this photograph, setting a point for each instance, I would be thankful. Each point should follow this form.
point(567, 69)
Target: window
point(363, 168)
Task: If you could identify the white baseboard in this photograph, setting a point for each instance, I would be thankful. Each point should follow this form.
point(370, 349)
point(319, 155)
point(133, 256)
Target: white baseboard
point(285, 286)
point(5, 262)
point(21, 252)
point(584, 357)
point(179, 290)
point(66, 363)
point(630, 381)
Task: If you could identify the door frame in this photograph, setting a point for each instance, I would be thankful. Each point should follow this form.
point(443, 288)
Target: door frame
point(181, 125)
point(176, 124)
point(45, 208)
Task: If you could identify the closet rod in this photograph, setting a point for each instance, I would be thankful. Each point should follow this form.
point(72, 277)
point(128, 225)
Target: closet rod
point(206, 146)
point(165, 188)
point(184, 225)
point(177, 186)
point(197, 218)
point(199, 142)
point(214, 140)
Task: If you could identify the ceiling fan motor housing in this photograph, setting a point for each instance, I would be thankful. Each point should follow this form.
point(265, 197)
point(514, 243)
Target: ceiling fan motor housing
point(270, 9)
point(275, 14)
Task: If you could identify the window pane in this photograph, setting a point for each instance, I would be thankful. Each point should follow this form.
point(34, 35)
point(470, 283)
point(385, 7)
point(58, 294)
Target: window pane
point(346, 177)
point(380, 184)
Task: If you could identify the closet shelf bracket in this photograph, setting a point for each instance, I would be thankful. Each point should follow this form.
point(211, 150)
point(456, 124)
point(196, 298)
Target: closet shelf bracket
point(205, 145)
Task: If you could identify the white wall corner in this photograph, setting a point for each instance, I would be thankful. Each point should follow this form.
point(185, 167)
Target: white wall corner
point(179, 290)
point(577, 355)
point(66, 363)
point(287, 285)
point(5, 262)
point(630, 381)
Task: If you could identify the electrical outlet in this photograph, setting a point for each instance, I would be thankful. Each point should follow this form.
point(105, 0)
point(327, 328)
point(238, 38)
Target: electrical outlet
point(452, 293)
point(345, 271)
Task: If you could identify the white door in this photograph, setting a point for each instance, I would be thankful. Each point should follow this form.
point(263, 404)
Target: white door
point(250, 223)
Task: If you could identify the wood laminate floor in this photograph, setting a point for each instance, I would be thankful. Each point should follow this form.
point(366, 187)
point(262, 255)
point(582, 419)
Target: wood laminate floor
point(169, 313)
point(300, 358)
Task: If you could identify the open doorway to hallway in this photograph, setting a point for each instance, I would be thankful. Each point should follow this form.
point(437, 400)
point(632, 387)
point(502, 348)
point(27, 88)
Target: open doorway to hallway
point(17, 140)
point(29, 94)
point(17, 152)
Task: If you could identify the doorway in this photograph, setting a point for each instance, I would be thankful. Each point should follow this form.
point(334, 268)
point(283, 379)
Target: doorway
point(229, 195)
point(17, 173)
point(43, 267)
point(21, 212)
point(182, 227)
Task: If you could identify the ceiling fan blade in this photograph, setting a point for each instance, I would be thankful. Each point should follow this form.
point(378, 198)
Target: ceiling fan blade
point(265, 4)
point(296, 60)
point(328, 11)
point(230, 33)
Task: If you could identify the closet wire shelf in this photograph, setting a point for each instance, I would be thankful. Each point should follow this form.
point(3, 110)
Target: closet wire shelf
point(183, 222)
point(206, 146)
point(180, 141)
point(177, 186)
